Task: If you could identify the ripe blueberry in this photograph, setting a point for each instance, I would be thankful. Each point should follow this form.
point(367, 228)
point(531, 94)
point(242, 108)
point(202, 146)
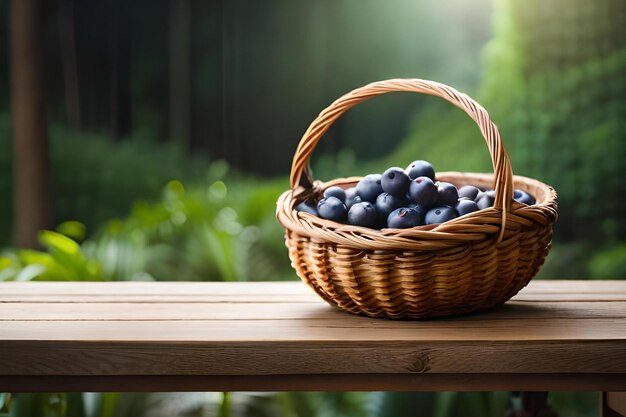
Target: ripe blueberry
point(395, 182)
point(440, 215)
point(307, 208)
point(464, 207)
point(337, 192)
point(403, 218)
point(369, 187)
point(522, 196)
point(485, 199)
point(332, 208)
point(420, 210)
point(386, 203)
point(448, 195)
point(362, 214)
point(423, 191)
point(420, 169)
point(468, 191)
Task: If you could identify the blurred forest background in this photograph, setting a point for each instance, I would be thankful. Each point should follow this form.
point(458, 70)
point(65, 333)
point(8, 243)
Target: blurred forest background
point(149, 140)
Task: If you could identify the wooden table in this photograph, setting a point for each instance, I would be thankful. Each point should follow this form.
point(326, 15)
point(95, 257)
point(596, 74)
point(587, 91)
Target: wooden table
point(177, 336)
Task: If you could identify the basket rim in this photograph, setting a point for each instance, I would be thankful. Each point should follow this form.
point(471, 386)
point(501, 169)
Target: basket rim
point(485, 224)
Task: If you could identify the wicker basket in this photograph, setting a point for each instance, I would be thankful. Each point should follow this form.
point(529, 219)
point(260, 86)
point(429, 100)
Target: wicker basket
point(471, 263)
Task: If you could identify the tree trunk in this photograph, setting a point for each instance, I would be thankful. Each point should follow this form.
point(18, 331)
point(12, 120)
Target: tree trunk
point(31, 201)
point(180, 72)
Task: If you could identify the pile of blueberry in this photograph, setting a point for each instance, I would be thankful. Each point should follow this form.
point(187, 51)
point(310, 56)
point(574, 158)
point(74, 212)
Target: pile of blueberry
point(403, 198)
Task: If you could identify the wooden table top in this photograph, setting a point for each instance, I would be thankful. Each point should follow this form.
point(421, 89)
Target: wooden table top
point(181, 336)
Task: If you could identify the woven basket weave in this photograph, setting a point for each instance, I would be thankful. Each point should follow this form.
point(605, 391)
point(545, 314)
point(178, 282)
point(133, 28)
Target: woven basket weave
point(471, 263)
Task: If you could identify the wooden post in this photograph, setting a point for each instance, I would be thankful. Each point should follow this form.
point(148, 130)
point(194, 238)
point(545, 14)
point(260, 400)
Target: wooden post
point(31, 195)
point(613, 404)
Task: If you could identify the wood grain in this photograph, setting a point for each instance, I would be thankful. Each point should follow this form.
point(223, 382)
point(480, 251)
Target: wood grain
point(276, 333)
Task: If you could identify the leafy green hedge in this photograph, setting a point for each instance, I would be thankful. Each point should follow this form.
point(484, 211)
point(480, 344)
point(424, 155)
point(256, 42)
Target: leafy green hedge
point(94, 179)
point(202, 233)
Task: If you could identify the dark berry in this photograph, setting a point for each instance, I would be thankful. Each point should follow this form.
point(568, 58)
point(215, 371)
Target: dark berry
point(482, 193)
point(332, 208)
point(420, 169)
point(403, 218)
point(469, 191)
point(307, 208)
point(423, 191)
point(369, 187)
point(448, 195)
point(420, 210)
point(485, 199)
point(522, 196)
point(352, 201)
point(395, 182)
point(362, 214)
point(464, 207)
point(337, 192)
point(352, 197)
point(440, 215)
point(386, 203)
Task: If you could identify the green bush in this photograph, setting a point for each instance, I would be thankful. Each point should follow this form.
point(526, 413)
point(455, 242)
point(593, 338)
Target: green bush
point(95, 179)
point(555, 86)
point(212, 232)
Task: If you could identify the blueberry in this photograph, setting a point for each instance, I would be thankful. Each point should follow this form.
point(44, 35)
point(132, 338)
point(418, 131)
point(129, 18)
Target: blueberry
point(362, 214)
point(420, 169)
point(352, 197)
point(386, 203)
point(403, 218)
point(440, 215)
point(337, 192)
point(469, 191)
point(522, 196)
point(420, 210)
point(448, 195)
point(485, 199)
point(350, 201)
point(307, 208)
point(369, 187)
point(395, 181)
point(332, 208)
point(464, 207)
point(480, 194)
point(423, 191)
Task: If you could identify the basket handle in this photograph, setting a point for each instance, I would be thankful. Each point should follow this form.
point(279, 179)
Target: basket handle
point(503, 174)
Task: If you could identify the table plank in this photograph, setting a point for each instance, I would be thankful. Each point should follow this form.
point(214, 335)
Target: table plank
point(99, 311)
point(129, 330)
point(549, 289)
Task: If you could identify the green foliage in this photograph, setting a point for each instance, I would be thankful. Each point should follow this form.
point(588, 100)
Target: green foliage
point(609, 264)
point(442, 404)
point(63, 260)
point(555, 86)
point(446, 137)
point(88, 168)
point(39, 405)
point(575, 404)
point(202, 233)
point(5, 401)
